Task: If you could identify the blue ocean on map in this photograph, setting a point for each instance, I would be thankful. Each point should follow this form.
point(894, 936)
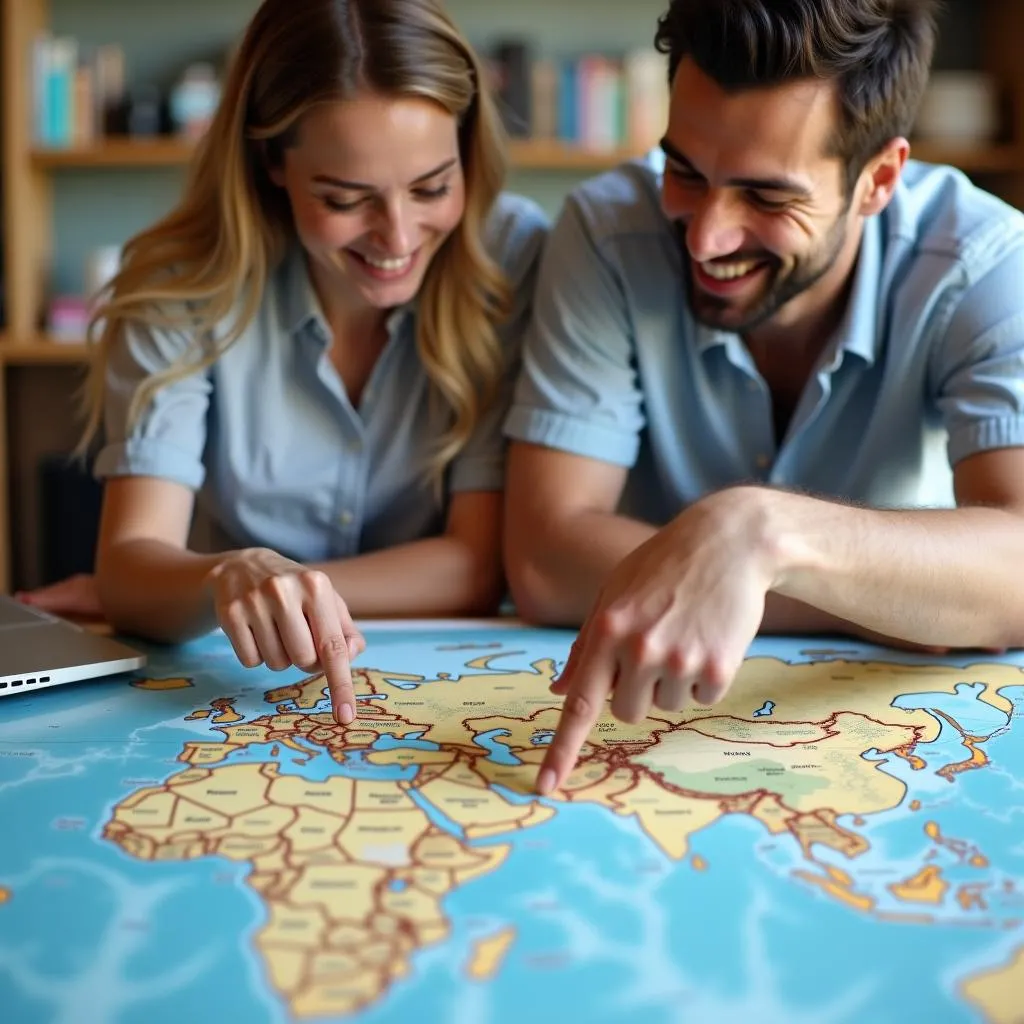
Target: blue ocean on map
point(604, 925)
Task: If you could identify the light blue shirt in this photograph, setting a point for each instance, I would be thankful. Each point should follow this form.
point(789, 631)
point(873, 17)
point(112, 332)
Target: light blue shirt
point(926, 368)
point(268, 434)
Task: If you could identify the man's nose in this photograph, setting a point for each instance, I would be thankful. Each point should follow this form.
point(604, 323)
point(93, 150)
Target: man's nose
point(716, 227)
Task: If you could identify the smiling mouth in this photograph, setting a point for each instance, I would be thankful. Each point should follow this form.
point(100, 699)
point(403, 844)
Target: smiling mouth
point(390, 264)
point(728, 278)
point(730, 271)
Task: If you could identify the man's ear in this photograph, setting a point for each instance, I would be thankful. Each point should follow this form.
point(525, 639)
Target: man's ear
point(881, 176)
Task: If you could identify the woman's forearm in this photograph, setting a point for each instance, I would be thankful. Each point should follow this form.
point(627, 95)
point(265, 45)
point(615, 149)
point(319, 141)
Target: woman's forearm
point(432, 577)
point(155, 590)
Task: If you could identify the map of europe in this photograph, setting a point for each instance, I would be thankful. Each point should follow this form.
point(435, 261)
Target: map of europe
point(839, 840)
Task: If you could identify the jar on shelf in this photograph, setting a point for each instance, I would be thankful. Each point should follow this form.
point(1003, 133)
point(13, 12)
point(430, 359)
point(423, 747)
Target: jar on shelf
point(193, 101)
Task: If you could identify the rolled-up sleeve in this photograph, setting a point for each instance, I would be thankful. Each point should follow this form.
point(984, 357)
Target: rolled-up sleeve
point(980, 366)
point(578, 390)
point(516, 242)
point(169, 436)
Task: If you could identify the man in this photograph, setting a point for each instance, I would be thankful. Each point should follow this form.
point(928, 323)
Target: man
point(776, 385)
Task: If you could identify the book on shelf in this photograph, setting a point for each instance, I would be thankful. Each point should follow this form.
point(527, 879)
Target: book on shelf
point(77, 91)
point(594, 101)
point(80, 96)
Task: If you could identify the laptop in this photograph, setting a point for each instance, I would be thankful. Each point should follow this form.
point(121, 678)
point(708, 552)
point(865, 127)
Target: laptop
point(38, 649)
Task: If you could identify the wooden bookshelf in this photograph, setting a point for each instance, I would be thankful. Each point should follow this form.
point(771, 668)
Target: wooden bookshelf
point(42, 351)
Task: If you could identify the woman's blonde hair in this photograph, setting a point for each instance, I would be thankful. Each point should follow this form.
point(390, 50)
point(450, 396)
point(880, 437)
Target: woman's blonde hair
point(214, 252)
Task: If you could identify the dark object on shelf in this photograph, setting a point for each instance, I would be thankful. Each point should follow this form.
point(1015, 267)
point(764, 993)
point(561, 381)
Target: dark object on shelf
point(69, 500)
point(511, 63)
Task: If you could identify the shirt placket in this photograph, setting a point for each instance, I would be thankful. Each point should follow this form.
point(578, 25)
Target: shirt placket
point(809, 410)
point(354, 476)
point(350, 481)
point(755, 410)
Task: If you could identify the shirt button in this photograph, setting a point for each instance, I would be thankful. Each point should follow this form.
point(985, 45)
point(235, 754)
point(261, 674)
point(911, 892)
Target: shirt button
point(752, 385)
point(346, 517)
point(355, 447)
point(763, 461)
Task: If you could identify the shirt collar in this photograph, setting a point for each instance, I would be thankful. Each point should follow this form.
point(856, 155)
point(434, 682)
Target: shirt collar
point(299, 304)
point(857, 332)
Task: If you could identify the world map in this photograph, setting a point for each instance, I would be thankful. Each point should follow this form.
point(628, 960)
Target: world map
point(838, 840)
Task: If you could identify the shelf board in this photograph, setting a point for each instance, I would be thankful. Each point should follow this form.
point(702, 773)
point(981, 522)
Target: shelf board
point(117, 152)
point(42, 351)
point(552, 155)
point(524, 154)
point(995, 159)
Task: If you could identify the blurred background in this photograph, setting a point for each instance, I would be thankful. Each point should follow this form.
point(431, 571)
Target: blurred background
point(103, 100)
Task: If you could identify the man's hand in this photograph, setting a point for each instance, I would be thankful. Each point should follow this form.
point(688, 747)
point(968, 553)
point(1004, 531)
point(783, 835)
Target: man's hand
point(281, 613)
point(671, 625)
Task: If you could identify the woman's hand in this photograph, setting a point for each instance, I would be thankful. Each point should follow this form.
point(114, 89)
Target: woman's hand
point(281, 613)
point(76, 597)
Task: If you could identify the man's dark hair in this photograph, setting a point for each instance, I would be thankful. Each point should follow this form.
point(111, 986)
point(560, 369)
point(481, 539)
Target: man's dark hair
point(878, 52)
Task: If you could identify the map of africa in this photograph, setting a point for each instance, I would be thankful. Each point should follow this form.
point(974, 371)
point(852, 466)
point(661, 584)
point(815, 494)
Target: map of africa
point(839, 840)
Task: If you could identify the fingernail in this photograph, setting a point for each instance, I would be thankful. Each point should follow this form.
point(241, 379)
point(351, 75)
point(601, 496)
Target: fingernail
point(345, 714)
point(545, 781)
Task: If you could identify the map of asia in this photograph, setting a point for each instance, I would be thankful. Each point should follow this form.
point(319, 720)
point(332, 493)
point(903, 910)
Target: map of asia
point(841, 839)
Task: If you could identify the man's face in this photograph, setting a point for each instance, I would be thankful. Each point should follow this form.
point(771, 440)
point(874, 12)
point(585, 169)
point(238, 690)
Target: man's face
point(762, 210)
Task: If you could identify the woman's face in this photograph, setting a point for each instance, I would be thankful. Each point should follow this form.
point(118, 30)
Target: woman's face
point(376, 186)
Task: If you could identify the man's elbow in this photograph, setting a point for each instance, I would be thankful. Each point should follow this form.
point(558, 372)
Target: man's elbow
point(535, 596)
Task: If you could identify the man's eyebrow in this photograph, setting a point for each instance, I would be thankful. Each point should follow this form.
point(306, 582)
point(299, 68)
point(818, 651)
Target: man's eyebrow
point(789, 185)
point(358, 186)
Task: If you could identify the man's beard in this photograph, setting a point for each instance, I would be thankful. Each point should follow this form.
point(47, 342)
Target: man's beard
point(718, 313)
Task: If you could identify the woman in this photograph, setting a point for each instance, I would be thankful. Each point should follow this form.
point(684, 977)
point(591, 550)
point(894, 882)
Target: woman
point(322, 337)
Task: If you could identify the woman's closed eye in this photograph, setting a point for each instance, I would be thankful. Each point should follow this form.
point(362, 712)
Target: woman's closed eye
point(342, 205)
point(429, 195)
point(421, 194)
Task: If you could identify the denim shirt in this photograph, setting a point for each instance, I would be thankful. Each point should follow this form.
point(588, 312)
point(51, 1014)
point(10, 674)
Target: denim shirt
point(269, 436)
point(925, 368)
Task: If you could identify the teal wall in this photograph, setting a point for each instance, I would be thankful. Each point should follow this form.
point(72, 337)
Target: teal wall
point(99, 207)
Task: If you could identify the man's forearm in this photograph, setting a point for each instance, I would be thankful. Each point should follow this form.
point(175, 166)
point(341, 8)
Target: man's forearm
point(155, 590)
point(943, 577)
point(435, 576)
point(567, 566)
point(567, 573)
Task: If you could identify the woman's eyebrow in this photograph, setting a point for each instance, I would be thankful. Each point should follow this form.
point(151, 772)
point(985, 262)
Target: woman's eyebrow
point(357, 186)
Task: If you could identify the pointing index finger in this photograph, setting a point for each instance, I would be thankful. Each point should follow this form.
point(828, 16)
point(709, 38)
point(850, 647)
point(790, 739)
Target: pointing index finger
point(592, 679)
point(334, 661)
